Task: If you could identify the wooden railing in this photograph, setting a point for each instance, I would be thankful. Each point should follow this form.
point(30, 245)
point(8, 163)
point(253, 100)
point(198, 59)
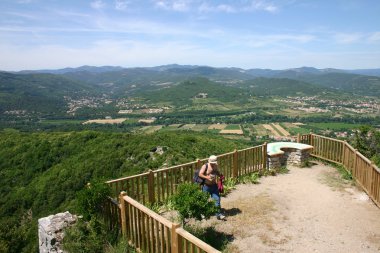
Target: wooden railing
point(159, 185)
point(150, 232)
point(147, 230)
point(364, 171)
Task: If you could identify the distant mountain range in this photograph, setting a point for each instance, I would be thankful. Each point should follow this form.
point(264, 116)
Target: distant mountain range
point(197, 69)
point(44, 90)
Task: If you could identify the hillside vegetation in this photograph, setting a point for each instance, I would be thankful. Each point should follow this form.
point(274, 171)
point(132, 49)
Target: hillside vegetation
point(185, 92)
point(41, 173)
point(38, 92)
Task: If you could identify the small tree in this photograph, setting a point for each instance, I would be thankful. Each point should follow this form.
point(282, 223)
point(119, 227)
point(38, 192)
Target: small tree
point(90, 233)
point(190, 202)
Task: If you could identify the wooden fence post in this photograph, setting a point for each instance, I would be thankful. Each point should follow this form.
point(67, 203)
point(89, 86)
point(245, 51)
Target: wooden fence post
point(311, 139)
point(298, 137)
point(355, 158)
point(175, 246)
point(265, 155)
point(151, 187)
point(122, 214)
point(235, 164)
point(344, 151)
point(199, 164)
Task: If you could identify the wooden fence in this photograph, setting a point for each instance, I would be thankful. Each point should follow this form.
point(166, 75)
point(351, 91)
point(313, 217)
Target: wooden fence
point(150, 232)
point(159, 185)
point(147, 231)
point(364, 171)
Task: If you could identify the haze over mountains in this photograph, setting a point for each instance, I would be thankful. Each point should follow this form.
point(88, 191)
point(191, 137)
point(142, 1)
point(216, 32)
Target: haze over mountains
point(49, 90)
point(256, 72)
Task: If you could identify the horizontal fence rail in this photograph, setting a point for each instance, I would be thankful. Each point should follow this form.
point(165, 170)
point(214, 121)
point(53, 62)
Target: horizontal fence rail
point(149, 232)
point(364, 171)
point(159, 185)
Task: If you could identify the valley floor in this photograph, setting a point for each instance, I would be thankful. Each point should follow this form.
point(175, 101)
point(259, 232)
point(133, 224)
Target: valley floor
point(307, 210)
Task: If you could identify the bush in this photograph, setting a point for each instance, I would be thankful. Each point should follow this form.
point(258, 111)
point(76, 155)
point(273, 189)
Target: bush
point(86, 237)
point(90, 233)
point(91, 199)
point(190, 202)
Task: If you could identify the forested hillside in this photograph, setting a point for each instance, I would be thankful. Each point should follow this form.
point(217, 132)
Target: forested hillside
point(186, 91)
point(38, 92)
point(283, 87)
point(40, 173)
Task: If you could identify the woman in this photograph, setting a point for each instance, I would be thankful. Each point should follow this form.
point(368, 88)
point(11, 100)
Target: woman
point(209, 171)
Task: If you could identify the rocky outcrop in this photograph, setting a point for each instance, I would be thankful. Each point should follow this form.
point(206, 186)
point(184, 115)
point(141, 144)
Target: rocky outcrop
point(51, 231)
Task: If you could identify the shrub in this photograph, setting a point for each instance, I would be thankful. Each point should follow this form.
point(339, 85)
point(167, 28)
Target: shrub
point(91, 199)
point(252, 178)
point(85, 237)
point(228, 185)
point(190, 202)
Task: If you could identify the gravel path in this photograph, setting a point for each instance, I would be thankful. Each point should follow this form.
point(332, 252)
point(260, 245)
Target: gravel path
point(306, 210)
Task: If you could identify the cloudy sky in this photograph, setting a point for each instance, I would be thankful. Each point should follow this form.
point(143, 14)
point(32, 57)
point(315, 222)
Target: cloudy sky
point(277, 34)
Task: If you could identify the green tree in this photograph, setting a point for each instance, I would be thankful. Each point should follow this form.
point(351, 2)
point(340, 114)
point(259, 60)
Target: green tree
point(367, 142)
point(190, 202)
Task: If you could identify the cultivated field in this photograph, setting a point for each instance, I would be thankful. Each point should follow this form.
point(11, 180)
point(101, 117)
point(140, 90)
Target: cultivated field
point(231, 131)
point(188, 126)
point(217, 126)
point(148, 121)
point(106, 121)
point(271, 129)
point(281, 129)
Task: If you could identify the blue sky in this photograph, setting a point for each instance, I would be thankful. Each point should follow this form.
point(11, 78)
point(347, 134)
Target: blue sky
point(276, 34)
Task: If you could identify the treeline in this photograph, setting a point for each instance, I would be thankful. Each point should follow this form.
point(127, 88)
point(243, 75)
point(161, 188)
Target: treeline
point(367, 142)
point(41, 173)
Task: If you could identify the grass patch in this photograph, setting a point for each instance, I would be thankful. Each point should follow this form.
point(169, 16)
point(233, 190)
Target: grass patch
point(334, 125)
point(232, 127)
point(338, 179)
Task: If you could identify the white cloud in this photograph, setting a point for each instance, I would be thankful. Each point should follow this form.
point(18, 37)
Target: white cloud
point(276, 39)
point(121, 4)
point(262, 5)
point(204, 7)
point(208, 6)
point(98, 4)
point(135, 53)
point(175, 5)
point(347, 38)
point(374, 37)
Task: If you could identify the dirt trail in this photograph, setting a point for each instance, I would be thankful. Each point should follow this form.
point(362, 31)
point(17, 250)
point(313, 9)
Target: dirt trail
point(306, 210)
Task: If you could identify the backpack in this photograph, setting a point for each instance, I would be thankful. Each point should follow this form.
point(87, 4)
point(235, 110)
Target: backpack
point(197, 179)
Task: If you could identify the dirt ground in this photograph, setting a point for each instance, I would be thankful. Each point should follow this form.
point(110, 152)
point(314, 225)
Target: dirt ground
point(305, 210)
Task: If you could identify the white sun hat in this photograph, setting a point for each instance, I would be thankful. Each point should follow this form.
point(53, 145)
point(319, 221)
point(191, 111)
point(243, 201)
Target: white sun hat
point(213, 159)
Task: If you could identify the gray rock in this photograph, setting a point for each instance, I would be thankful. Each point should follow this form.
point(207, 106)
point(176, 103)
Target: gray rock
point(51, 231)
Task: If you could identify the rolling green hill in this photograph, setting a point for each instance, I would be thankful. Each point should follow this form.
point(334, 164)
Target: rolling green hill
point(38, 92)
point(184, 93)
point(40, 173)
point(349, 83)
point(283, 87)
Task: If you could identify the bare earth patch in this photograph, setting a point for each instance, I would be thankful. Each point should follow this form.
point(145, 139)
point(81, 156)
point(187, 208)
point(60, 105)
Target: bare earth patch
point(231, 131)
point(281, 129)
point(306, 210)
point(217, 126)
point(271, 129)
point(105, 121)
